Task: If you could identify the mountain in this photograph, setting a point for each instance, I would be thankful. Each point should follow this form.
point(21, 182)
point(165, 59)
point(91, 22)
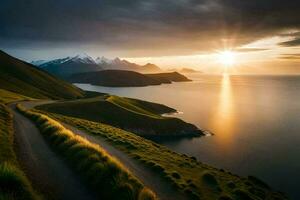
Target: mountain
point(118, 64)
point(24, 78)
point(102, 60)
point(150, 68)
point(38, 62)
point(123, 78)
point(66, 67)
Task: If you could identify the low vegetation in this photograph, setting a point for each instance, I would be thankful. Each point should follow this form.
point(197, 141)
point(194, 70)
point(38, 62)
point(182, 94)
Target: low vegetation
point(104, 174)
point(141, 107)
point(13, 182)
point(195, 179)
point(8, 97)
point(140, 117)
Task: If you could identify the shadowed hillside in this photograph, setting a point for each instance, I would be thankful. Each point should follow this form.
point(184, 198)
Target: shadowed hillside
point(122, 78)
point(169, 77)
point(140, 117)
point(23, 78)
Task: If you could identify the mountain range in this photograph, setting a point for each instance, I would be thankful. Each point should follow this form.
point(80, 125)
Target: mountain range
point(65, 67)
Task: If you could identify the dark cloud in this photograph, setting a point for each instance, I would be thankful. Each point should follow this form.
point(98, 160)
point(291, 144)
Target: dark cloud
point(295, 56)
point(250, 49)
point(295, 41)
point(144, 27)
point(291, 43)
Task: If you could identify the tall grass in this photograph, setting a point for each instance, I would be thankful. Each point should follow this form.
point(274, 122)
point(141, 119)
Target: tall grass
point(8, 96)
point(13, 183)
point(103, 173)
point(197, 180)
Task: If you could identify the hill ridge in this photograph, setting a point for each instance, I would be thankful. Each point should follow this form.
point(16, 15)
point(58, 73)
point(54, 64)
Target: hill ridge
point(24, 78)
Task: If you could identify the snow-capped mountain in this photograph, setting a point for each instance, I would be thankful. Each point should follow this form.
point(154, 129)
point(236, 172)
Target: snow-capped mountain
point(103, 60)
point(80, 58)
point(38, 62)
point(65, 67)
point(83, 58)
point(56, 61)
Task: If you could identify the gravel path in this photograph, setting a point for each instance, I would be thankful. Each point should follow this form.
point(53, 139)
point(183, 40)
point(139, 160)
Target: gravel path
point(47, 171)
point(149, 178)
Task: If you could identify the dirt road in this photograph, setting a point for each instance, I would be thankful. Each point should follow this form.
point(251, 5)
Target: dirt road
point(48, 172)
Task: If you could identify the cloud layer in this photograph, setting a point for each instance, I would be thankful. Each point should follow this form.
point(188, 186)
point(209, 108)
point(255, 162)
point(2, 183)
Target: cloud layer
point(145, 27)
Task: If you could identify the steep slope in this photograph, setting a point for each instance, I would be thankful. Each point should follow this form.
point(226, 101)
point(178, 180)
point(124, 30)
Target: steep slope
point(123, 78)
point(23, 78)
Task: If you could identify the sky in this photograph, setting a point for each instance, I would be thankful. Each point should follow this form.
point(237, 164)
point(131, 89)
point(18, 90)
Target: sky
point(264, 36)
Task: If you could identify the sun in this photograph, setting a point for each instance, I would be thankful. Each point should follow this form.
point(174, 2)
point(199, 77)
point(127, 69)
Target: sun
point(227, 58)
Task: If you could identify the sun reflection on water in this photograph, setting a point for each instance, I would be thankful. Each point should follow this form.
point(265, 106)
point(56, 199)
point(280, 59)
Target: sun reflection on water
point(222, 122)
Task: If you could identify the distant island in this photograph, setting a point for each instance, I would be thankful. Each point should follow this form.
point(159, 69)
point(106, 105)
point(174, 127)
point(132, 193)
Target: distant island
point(124, 78)
point(189, 70)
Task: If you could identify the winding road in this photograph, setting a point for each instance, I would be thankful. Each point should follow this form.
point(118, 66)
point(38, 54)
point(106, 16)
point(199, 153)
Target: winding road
point(47, 170)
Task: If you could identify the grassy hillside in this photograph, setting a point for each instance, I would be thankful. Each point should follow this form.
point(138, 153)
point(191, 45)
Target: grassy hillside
point(140, 117)
point(169, 77)
point(195, 179)
point(25, 79)
point(114, 78)
point(140, 107)
point(102, 172)
point(122, 78)
point(7, 97)
point(13, 183)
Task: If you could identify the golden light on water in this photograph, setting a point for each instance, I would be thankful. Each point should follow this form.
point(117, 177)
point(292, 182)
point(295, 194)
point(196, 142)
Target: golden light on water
point(223, 119)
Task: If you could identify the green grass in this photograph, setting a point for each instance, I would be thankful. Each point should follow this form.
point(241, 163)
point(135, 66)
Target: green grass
point(197, 180)
point(102, 172)
point(6, 136)
point(25, 79)
point(8, 97)
point(140, 107)
point(140, 117)
point(13, 183)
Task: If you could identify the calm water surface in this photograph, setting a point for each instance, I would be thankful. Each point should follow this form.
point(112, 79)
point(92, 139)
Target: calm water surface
point(255, 119)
